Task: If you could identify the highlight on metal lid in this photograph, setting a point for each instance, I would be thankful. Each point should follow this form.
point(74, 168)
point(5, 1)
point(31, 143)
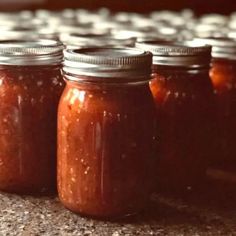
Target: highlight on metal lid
point(108, 62)
point(222, 47)
point(31, 52)
point(187, 54)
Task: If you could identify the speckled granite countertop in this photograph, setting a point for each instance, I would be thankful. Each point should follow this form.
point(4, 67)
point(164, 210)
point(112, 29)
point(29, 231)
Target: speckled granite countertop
point(205, 214)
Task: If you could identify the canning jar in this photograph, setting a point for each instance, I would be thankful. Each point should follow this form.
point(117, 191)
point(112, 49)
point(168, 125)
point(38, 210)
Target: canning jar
point(106, 132)
point(183, 93)
point(30, 87)
point(223, 76)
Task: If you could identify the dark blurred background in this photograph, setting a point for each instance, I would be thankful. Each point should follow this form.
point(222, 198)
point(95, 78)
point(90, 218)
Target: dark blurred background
point(199, 6)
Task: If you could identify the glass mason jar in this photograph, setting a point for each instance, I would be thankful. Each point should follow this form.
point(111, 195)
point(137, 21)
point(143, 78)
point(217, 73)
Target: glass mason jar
point(185, 106)
point(223, 76)
point(30, 87)
point(106, 132)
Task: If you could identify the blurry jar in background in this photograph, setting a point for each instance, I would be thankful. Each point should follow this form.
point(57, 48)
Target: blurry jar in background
point(75, 41)
point(185, 106)
point(30, 87)
point(209, 30)
point(29, 33)
point(136, 34)
point(223, 76)
point(106, 132)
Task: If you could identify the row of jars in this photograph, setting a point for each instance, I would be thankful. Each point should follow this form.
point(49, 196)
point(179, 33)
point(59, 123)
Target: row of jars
point(118, 122)
point(182, 25)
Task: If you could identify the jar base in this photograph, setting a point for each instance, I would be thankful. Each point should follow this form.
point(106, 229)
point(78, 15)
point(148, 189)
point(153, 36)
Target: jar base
point(104, 217)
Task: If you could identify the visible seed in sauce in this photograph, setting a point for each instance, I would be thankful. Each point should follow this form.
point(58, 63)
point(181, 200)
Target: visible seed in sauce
point(176, 94)
point(33, 102)
point(118, 117)
point(55, 81)
point(39, 83)
point(87, 170)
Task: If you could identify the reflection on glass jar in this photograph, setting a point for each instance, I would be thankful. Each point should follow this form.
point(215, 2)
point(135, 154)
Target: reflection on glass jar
point(106, 132)
point(30, 87)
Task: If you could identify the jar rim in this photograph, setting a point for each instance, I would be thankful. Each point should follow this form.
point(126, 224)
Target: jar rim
point(31, 52)
point(172, 53)
point(108, 62)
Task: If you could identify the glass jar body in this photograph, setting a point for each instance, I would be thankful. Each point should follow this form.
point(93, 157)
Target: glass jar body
point(186, 113)
point(223, 76)
point(105, 148)
point(29, 97)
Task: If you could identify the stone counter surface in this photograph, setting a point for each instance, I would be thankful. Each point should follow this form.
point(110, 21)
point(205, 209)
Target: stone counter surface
point(212, 213)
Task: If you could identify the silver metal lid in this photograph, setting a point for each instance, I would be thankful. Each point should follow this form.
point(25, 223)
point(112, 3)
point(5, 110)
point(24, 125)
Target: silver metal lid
point(224, 48)
point(108, 63)
point(132, 33)
point(17, 33)
point(76, 41)
point(33, 52)
point(187, 54)
point(209, 30)
point(232, 34)
point(214, 18)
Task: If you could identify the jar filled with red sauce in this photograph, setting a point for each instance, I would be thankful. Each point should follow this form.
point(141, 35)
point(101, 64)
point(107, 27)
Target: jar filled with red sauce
point(30, 88)
point(185, 104)
point(223, 76)
point(106, 132)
